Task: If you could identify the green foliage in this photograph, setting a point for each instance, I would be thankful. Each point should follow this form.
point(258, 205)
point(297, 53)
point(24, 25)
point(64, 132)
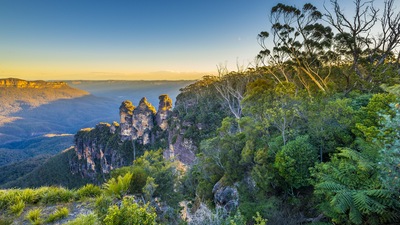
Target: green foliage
point(138, 180)
point(330, 124)
point(35, 216)
point(164, 173)
point(389, 161)
point(89, 219)
point(118, 187)
point(17, 207)
point(51, 195)
point(55, 171)
point(351, 190)
point(149, 188)
point(5, 220)
point(294, 160)
point(88, 191)
point(130, 213)
point(199, 104)
point(369, 118)
point(103, 202)
point(259, 220)
point(58, 214)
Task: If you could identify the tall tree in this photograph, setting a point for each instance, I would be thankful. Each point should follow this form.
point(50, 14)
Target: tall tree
point(300, 42)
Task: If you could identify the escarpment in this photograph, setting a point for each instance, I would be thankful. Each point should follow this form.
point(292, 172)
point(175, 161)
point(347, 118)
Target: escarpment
point(105, 147)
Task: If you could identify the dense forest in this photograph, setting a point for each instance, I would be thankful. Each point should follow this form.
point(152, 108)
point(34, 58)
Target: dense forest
point(308, 134)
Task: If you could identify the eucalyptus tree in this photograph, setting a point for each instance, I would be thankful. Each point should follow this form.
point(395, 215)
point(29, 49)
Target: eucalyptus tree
point(300, 46)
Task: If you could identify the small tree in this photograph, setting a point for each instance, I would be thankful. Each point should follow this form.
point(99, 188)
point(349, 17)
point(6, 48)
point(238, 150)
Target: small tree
point(294, 160)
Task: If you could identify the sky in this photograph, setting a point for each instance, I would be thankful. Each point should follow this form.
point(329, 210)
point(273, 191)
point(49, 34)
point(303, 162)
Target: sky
point(129, 39)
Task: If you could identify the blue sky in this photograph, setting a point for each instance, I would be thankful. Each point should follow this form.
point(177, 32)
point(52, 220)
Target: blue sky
point(105, 39)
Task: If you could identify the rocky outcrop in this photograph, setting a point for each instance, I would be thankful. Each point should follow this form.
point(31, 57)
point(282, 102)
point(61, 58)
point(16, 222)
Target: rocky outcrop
point(164, 111)
point(126, 113)
point(225, 197)
point(143, 122)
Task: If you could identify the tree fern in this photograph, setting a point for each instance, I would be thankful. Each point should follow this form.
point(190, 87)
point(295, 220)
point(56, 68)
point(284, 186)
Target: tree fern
point(118, 187)
point(351, 190)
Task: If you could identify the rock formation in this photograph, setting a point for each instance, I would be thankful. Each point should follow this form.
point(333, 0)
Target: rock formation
point(143, 122)
point(164, 111)
point(126, 113)
point(106, 146)
point(225, 197)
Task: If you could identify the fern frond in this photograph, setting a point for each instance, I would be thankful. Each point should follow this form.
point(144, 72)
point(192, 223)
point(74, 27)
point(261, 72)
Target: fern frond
point(355, 216)
point(342, 201)
point(330, 186)
point(362, 201)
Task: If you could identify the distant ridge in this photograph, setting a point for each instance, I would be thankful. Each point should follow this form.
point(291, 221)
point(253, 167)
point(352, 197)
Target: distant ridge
point(17, 94)
point(18, 83)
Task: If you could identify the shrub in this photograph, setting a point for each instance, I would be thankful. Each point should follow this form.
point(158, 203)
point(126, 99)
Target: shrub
point(130, 213)
point(118, 187)
point(102, 204)
point(89, 219)
point(88, 191)
point(294, 160)
point(34, 216)
point(51, 195)
point(17, 207)
point(58, 214)
point(29, 196)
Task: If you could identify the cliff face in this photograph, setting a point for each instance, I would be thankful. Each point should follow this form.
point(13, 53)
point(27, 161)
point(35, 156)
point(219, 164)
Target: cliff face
point(96, 152)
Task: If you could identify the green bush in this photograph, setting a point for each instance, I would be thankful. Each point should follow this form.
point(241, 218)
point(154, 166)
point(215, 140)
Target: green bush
point(130, 213)
point(294, 160)
point(118, 187)
point(17, 207)
point(60, 213)
point(29, 196)
point(88, 191)
point(34, 216)
point(103, 202)
point(138, 180)
point(51, 195)
point(89, 219)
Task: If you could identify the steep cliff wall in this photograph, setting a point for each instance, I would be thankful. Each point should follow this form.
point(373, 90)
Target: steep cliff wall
point(98, 151)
